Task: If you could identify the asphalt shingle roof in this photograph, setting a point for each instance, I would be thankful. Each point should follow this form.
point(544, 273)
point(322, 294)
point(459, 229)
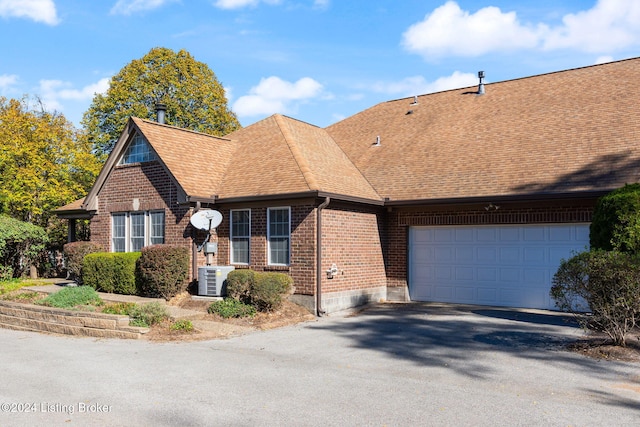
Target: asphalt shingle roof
point(575, 130)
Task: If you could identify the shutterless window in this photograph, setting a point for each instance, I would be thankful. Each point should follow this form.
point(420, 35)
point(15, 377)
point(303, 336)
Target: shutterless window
point(131, 231)
point(240, 236)
point(118, 232)
point(138, 151)
point(279, 235)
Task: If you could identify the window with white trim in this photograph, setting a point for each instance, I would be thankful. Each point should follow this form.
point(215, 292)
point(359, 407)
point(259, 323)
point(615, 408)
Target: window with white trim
point(279, 235)
point(139, 151)
point(131, 231)
point(240, 235)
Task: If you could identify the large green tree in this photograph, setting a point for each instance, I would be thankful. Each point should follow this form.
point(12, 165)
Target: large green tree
point(189, 89)
point(45, 162)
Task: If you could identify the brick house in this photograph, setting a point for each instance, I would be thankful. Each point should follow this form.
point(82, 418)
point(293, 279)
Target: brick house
point(470, 195)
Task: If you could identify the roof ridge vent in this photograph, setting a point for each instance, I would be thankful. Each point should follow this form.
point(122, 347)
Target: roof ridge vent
point(481, 84)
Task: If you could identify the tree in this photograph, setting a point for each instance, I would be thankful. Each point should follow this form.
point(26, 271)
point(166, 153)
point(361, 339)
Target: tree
point(189, 89)
point(45, 162)
point(20, 244)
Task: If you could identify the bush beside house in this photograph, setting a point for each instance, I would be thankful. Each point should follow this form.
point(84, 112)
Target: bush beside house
point(607, 277)
point(74, 254)
point(162, 271)
point(263, 290)
point(111, 272)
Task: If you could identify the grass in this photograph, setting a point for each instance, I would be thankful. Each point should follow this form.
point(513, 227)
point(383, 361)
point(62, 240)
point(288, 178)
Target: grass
point(82, 296)
point(182, 325)
point(8, 286)
point(230, 307)
point(146, 315)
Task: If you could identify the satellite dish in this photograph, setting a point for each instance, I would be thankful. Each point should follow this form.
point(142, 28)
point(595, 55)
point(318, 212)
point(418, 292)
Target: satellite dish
point(206, 220)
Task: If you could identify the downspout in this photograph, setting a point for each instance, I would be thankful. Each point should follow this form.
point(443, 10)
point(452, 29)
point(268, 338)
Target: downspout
point(319, 310)
point(194, 250)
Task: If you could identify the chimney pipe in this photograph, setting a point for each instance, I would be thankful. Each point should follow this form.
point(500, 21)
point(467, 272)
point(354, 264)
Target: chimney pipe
point(160, 112)
point(481, 85)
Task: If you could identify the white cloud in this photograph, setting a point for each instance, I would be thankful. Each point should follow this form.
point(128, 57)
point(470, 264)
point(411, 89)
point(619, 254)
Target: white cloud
point(237, 4)
point(274, 95)
point(417, 85)
point(53, 92)
point(321, 4)
point(38, 10)
point(449, 30)
point(604, 59)
point(610, 25)
point(7, 80)
point(128, 7)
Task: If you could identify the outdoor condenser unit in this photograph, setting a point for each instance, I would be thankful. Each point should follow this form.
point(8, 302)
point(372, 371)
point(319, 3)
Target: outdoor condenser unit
point(212, 280)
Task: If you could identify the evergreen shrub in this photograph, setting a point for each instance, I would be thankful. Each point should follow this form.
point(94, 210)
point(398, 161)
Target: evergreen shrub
point(111, 272)
point(162, 271)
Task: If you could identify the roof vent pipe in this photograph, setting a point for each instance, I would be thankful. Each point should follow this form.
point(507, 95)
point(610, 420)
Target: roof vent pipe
point(481, 85)
point(160, 112)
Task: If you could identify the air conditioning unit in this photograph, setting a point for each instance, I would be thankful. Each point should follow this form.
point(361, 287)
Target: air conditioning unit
point(212, 280)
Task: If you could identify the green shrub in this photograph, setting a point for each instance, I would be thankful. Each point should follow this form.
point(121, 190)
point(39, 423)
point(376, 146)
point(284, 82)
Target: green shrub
point(21, 244)
point(230, 307)
point(74, 254)
point(122, 308)
point(269, 289)
point(162, 271)
point(609, 283)
point(182, 325)
point(616, 221)
point(146, 315)
point(72, 297)
point(239, 284)
point(111, 272)
point(6, 273)
point(263, 290)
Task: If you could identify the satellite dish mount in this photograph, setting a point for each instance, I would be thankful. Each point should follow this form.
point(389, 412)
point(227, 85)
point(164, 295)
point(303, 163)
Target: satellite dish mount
point(206, 220)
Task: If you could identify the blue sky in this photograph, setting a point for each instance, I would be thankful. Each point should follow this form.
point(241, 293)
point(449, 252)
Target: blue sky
point(315, 60)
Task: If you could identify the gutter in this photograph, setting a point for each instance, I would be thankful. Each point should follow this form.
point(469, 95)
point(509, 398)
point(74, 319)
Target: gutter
point(319, 310)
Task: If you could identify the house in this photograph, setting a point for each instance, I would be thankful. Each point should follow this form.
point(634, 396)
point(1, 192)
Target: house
point(470, 196)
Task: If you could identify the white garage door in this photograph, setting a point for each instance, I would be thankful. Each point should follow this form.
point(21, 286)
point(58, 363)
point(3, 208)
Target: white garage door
point(490, 265)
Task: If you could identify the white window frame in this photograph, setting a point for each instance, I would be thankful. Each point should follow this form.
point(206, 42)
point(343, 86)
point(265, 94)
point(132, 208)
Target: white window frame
point(144, 154)
point(233, 237)
point(278, 236)
point(128, 233)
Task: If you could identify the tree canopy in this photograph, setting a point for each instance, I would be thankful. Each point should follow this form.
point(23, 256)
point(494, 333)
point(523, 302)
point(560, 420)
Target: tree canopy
point(45, 162)
point(193, 97)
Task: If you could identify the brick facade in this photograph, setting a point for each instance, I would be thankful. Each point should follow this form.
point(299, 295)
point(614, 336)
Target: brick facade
point(140, 187)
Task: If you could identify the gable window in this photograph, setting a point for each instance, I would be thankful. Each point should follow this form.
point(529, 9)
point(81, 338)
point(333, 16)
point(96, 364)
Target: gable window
point(138, 151)
point(240, 236)
point(279, 235)
point(131, 231)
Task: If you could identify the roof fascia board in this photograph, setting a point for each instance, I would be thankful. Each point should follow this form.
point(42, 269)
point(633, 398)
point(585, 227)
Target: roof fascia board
point(500, 198)
point(192, 200)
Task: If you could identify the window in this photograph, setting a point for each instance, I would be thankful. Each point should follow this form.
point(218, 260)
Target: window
point(131, 231)
point(278, 235)
point(138, 151)
point(240, 236)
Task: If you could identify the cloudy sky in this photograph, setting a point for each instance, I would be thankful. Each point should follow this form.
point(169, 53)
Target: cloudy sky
point(315, 60)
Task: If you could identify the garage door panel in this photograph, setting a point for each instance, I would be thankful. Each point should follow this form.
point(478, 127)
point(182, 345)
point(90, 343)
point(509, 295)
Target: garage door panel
point(490, 265)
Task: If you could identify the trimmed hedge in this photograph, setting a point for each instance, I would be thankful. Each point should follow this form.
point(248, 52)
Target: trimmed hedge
point(111, 272)
point(74, 253)
point(263, 290)
point(162, 271)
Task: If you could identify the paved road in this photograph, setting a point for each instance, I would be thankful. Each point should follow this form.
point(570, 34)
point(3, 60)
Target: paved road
point(393, 365)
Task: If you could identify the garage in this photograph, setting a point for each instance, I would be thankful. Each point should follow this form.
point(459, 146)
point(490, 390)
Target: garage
point(506, 265)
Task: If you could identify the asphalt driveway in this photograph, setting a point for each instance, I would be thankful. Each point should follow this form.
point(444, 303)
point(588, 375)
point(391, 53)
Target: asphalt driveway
point(391, 365)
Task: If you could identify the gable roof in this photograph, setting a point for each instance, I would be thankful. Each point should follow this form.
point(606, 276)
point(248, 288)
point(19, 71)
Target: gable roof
point(571, 131)
point(281, 155)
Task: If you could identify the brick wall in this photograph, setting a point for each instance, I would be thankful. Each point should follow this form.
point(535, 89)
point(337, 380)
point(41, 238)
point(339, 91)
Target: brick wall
point(399, 221)
point(140, 187)
point(352, 239)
